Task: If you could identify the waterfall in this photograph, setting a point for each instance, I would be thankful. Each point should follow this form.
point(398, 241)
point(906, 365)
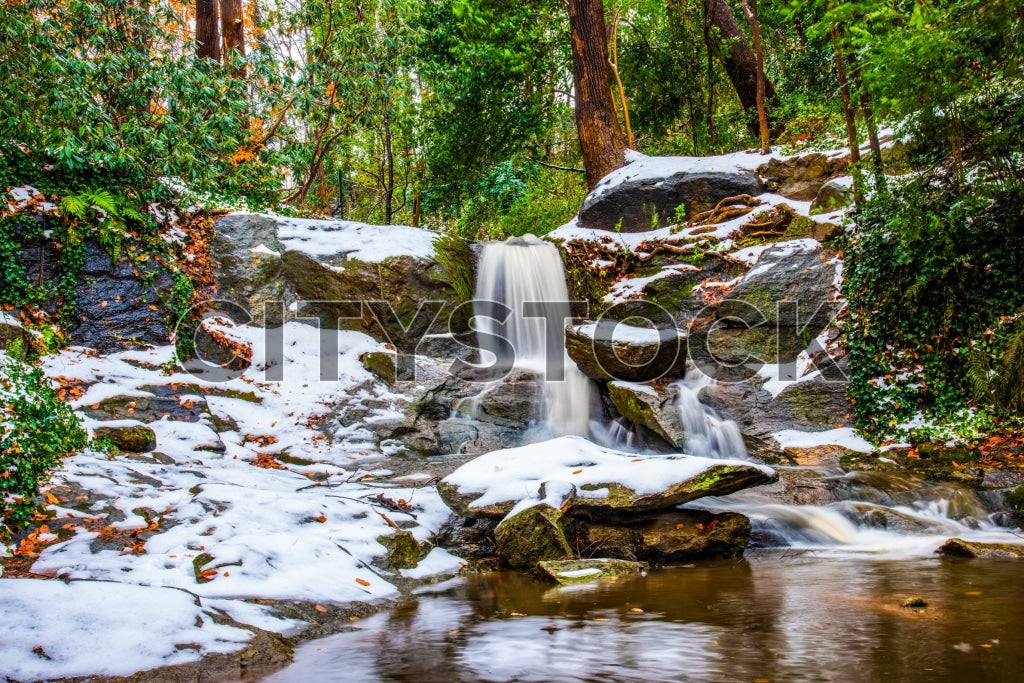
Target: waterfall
point(707, 434)
point(525, 270)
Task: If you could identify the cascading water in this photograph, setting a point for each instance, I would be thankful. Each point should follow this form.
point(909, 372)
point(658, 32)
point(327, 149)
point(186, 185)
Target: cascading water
point(518, 273)
point(707, 434)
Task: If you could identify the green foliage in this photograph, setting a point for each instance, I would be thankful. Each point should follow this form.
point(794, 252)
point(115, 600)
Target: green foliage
point(37, 429)
point(932, 267)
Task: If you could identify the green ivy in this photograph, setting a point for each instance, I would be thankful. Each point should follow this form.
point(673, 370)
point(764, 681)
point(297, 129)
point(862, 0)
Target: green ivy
point(37, 429)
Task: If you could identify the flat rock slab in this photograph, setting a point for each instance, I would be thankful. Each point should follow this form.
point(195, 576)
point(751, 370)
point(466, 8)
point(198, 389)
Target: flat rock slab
point(610, 350)
point(574, 475)
point(957, 547)
point(568, 572)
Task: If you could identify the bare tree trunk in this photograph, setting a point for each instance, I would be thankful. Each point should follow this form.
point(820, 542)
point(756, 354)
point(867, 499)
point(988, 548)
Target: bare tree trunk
point(389, 166)
point(601, 140)
point(869, 113)
point(750, 12)
point(710, 123)
point(207, 30)
point(844, 91)
point(614, 62)
point(232, 29)
point(740, 63)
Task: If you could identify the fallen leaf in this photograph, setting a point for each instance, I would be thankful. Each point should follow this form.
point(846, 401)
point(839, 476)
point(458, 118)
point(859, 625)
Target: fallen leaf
point(320, 608)
point(362, 582)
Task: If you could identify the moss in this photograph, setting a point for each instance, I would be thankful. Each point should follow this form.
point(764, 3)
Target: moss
point(381, 364)
point(916, 601)
point(705, 480)
point(568, 572)
point(134, 439)
point(533, 535)
point(404, 551)
point(619, 496)
point(799, 227)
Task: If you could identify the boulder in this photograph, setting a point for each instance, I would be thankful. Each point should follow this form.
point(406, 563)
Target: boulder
point(131, 438)
point(649, 192)
point(582, 478)
point(957, 547)
point(834, 194)
point(801, 177)
point(571, 572)
point(515, 401)
point(651, 407)
point(533, 535)
point(403, 550)
point(669, 536)
point(610, 350)
point(247, 254)
point(790, 285)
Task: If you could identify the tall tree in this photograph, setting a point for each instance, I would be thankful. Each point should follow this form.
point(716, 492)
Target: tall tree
point(750, 12)
point(740, 62)
point(231, 26)
point(601, 140)
point(207, 30)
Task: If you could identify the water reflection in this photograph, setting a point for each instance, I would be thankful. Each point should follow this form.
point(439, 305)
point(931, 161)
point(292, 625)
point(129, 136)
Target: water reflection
point(774, 618)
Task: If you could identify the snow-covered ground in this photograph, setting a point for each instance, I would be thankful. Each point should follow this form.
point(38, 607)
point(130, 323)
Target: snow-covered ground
point(305, 532)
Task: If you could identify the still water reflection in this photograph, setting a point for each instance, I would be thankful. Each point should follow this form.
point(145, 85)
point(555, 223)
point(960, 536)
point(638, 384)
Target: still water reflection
point(771, 617)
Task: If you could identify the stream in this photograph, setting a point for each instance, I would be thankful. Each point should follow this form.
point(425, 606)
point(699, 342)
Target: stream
point(777, 615)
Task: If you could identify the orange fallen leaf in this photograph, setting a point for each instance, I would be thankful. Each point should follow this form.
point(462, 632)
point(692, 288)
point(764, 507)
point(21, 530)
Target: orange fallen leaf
point(362, 582)
point(320, 608)
point(577, 471)
point(321, 518)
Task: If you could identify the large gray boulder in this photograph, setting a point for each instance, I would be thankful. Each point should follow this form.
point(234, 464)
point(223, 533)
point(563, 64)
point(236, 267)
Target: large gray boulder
point(247, 254)
point(649, 191)
point(650, 407)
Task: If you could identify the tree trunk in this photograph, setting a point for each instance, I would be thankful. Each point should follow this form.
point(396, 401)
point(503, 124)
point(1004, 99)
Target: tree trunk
point(869, 114)
point(232, 29)
point(207, 30)
point(601, 140)
point(710, 111)
point(750, 12)
point(740, 63)
point(844, 91)
point(389, 166)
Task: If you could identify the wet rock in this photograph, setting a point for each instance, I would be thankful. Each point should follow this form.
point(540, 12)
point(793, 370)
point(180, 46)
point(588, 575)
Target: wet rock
point(834, 194)
point(638, 196)
point(136, 438)
point(517, 400)
point(813, 405)
point(119, 305)
point(1015, 501)
point(570, 572)
point(957, 547)
point(175, 402)
point(651, 407)
point(801, 177)
point(916, 601)
point(667, 537)
point(533, 535)
point(248, 254)
point(381, 364)
point(824, 231)
point(615, 351)
point(404, 551)
point(881, 517)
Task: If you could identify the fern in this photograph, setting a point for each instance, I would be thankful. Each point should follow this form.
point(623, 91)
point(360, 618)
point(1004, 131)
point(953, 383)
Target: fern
point(979, 375)
point(1009, 378)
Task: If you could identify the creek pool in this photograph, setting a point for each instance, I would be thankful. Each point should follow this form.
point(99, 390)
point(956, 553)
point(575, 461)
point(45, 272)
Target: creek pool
point(775, 616)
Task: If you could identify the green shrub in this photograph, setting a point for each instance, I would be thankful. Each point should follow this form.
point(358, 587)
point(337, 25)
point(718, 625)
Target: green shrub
point(36, 430)
point(932, 272)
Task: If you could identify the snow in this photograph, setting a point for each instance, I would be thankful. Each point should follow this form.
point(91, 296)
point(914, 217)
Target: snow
point(55, 629)
point(845, 437)
point(580, 573)
point(632, 288)
point(569, 463)
point(641, 167)
point(629, 334)
point(439, 562)
point(264, 249)
point(362, 241)
point(304, 533)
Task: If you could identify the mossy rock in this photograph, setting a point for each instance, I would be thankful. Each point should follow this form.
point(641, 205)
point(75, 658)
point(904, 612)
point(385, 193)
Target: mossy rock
point(799, 227)
point(651, 407)
point(533, 535)
point(381, 364)
point(137, 438)
point(404, 551)
point(667, 537)
point(957, 547)
point(570, 572)
point(1015, 500)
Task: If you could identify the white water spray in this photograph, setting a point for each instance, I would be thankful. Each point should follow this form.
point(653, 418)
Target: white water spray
point(707, 434)
point(516, 272)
